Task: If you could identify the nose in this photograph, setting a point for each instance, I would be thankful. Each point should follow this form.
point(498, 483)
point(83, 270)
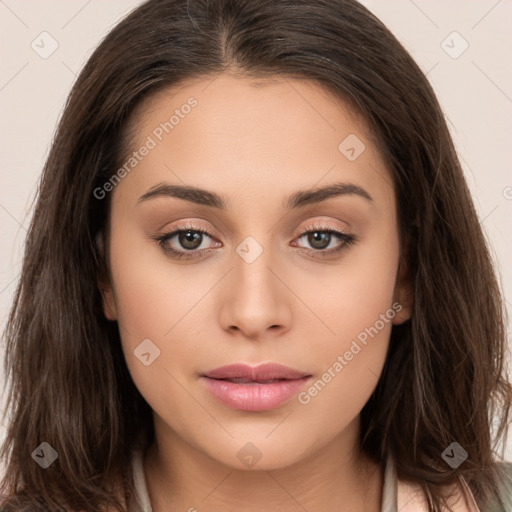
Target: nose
point(255, 299)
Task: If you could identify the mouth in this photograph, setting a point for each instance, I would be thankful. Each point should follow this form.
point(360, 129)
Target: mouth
point(250, 381)
point(260, 388)
point(261, 373)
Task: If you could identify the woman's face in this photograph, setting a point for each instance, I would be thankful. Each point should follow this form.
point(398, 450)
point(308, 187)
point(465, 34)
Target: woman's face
point(258, 288)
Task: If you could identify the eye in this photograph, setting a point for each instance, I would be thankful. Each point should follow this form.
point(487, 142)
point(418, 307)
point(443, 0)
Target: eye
point(188, 242)
point(323, 239)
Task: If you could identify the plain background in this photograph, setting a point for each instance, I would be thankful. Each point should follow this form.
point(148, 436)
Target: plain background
point(474, 87)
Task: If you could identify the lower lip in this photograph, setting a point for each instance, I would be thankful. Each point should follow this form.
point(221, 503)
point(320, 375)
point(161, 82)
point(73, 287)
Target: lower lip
point(254, 396)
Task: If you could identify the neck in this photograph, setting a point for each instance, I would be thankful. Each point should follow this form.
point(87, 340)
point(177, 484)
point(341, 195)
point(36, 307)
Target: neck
point(337, 476)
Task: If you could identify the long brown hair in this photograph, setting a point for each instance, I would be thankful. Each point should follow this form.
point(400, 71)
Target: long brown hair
point(69, 386)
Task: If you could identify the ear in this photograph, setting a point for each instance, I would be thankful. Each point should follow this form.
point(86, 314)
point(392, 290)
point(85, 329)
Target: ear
point(105, 281)
point(403, 294)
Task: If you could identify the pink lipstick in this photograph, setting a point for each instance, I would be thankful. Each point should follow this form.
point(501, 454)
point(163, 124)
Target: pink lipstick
point(259, 388)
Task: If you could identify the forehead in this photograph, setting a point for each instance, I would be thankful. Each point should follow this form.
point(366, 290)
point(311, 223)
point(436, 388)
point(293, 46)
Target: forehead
point(248, 106)
point(240, 134)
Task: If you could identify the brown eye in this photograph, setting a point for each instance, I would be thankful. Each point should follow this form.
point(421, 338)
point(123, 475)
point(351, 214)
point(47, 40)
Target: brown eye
point(322, 240)
point(185, 243)
point(319, 239)
point(190, 239)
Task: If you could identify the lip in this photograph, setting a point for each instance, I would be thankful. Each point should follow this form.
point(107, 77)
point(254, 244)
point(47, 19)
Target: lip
point(248, 388)
point(262, 372)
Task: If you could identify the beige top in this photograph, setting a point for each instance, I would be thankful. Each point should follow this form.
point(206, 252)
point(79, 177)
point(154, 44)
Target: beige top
point(396, 495)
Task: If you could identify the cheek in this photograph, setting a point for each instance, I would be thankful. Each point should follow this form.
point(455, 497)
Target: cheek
point(152, 294)
point(151, 301)
point(357, 305)
point(352, 296)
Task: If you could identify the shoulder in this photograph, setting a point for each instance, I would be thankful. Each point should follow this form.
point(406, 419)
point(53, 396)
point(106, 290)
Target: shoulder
point(505, 485)
point(410, 497)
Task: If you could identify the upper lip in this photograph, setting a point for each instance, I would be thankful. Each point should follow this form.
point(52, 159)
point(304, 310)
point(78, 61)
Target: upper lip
point(262, 372)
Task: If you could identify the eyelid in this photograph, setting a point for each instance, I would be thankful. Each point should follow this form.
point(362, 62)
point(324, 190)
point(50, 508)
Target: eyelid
point(321, 225)
point(188, 226)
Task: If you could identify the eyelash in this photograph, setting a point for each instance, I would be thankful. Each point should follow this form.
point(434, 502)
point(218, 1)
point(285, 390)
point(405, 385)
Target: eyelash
point(163, 239)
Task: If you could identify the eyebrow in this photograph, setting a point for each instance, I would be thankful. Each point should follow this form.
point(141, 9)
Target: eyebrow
point(296, 200)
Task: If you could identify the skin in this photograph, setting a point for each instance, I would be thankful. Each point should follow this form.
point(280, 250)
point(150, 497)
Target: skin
point(255, 146)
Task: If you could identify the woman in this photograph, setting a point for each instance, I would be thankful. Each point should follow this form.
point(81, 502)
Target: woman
point(254, 279)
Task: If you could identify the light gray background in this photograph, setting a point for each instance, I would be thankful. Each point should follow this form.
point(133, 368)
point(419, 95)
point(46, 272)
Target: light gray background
point(475, 90)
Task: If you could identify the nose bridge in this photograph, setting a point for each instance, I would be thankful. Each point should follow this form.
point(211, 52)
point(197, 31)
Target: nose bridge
point(256, 299)
point(252, 267)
